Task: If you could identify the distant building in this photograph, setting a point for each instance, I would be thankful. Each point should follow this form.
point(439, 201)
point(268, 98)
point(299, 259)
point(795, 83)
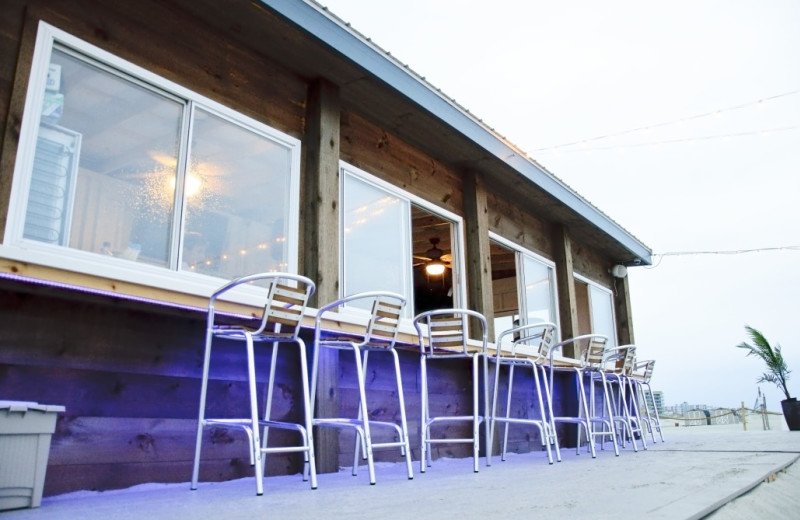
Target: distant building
point(658, 398)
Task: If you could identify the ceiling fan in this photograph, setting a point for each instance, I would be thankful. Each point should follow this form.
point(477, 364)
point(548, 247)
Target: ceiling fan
point(435, 260)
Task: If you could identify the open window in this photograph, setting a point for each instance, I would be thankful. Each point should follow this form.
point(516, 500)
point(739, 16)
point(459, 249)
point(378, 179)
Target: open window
point(396, 242)
point(523, 285)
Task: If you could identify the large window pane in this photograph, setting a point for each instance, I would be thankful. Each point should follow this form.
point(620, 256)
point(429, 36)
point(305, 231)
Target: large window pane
point(539, 299)
point(602, 312)
point(237, 200)
point(105, 164)
point(376, 239)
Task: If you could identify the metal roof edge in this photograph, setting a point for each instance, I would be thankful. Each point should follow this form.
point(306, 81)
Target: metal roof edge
point(316, 20)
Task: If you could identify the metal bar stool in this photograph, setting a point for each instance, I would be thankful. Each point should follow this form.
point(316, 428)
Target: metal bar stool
point(525, 346)
point(444, 335)
point(590, 362)
point(618, 364)
point(286, 297)
point(379, 336)
point(640, 381)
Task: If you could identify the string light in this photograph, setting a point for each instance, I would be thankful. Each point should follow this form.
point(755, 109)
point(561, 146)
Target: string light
point(716, 113)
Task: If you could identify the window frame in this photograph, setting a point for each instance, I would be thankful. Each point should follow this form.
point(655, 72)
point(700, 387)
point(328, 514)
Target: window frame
point(613, 341)
point(519, 253)
point(457, 235)
point(170, 277)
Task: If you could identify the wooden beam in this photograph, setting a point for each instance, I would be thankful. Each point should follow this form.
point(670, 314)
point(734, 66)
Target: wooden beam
point(622, 308)
point(565, 282)
point(479, 258)
point(320, 254)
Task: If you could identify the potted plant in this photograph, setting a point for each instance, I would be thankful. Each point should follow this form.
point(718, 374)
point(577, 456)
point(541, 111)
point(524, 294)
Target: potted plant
point(777, 372)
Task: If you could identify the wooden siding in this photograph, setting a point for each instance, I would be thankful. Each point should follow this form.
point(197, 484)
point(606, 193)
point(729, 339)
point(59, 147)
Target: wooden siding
point(393, 160)
point(128, 373)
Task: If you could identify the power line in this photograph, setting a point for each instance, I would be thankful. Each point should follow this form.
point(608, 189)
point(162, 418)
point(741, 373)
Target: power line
point(759, 102)
point(660, 256)
point(729, 252)
point(675, 141)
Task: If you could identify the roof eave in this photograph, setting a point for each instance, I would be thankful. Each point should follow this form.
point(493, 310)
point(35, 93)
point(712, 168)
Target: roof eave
point(322, 25)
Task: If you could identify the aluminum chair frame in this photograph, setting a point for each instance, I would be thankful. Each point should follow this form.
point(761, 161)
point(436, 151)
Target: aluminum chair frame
point(530, 347)
point(618, 364)
point(286, 300)
point(380, 335)
point(640, 383)
point(444, 335)
point(584, 368)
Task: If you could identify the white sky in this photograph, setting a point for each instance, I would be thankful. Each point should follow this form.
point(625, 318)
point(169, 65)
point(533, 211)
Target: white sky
point(546, 73)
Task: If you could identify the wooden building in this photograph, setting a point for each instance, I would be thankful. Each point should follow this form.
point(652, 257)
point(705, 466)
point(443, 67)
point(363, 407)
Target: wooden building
point(298, 145)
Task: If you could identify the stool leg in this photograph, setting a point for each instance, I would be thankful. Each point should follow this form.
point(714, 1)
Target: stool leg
point(485, 411)
point(310, 459)
point(255, 446)
point(493, 414)
point(475, 421)
point(403, 423)
point(551, 421)
point(542, 413)
point(201, 415)
point(268, 405)
point(424, 458)
point(504, 451)
point(587, 425)
point(364, 412)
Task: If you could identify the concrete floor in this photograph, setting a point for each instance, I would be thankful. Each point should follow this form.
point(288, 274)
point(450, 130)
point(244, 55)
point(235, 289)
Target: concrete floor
point(697, 471)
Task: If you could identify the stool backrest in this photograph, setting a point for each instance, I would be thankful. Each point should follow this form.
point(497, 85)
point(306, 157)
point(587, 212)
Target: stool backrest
point(445, 332)
point(384, 321)
point(286, 300)
point(532, 340)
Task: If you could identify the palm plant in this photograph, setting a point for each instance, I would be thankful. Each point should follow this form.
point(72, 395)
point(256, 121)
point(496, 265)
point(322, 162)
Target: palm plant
point(777, 371)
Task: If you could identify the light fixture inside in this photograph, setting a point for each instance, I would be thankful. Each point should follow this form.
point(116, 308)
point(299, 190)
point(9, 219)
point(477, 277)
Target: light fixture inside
point(434, 268)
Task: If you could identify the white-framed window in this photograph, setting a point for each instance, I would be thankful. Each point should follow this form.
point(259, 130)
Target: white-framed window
point(524, 286)
point(595, 309)
point(122, 173)
point(388, 239)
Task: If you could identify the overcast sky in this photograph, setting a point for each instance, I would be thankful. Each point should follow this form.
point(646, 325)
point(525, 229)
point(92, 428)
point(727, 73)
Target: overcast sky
point(673, 144)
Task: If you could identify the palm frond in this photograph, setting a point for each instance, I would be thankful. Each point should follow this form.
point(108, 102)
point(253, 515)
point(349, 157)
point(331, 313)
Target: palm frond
point(778, 372)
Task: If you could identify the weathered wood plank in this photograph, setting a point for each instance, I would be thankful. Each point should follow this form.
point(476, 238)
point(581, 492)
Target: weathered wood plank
point(565, 284)
point(479, 258)
point(389, 158)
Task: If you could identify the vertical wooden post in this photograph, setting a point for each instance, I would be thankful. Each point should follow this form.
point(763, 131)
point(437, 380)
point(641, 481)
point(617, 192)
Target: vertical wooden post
point(744, 417)
point(622, 309)
point(479, 258)
point(320, 254)
point(565, 282)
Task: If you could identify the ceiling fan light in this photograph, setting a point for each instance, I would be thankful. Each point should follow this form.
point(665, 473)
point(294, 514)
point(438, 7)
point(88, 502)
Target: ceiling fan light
point(434, 268)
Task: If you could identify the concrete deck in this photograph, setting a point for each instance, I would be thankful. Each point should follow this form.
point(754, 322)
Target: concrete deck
point(697, 471)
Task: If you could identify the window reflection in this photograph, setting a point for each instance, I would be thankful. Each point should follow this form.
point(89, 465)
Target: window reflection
point(375, 239)
point(115, 158)
point(100, 182)
point(236, 197)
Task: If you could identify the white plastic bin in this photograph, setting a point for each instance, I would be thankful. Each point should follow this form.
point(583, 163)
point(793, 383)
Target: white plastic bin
point(25, 432)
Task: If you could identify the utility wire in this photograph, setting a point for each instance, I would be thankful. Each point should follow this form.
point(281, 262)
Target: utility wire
point(728, 252)
point(667, 123)
point(658, 257)
point(557, 150)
